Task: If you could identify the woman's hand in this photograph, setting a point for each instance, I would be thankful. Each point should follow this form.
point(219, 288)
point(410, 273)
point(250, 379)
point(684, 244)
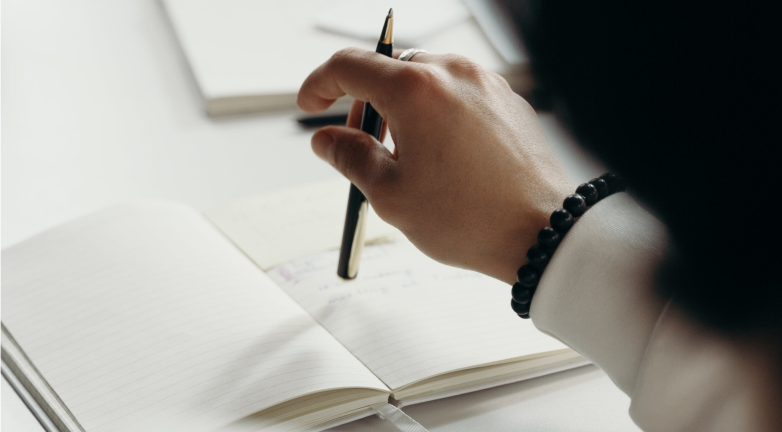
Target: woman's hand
point(472, 179)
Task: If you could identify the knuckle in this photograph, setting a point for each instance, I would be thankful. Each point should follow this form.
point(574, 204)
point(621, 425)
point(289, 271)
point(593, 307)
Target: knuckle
point(343, 56)
point(423, 84)
point(464, 66)
point(454, 59)
point(526, 107)
point(498, 80)
point(344, 53)
point(418, 76)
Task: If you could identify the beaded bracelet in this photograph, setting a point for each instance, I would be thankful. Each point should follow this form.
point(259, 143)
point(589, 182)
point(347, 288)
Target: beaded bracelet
point(587, 194)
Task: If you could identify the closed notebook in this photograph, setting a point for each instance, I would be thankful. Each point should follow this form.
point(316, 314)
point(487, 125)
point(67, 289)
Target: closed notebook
point(153, 316)
point(253, 55)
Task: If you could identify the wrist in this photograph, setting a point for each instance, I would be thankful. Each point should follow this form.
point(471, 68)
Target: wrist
point(548, 239)
point(521, 230)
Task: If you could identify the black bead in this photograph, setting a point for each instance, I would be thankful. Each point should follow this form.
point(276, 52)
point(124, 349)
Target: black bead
point(575, 204)
point(549, 238)
point(519, 308)
point(561, 220)
point(601, 186)
point(589, 192)
point(537, 256)
point(527, 276)
point(524, 316)
point(615, 183)
point(521, 293)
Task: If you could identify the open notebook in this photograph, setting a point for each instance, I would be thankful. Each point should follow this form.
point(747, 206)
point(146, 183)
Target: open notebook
point(153, 316)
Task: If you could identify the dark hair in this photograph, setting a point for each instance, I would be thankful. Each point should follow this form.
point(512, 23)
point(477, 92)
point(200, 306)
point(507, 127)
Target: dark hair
point(683, 101)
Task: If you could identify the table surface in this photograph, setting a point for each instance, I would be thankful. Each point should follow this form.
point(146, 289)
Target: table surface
point(99, 107)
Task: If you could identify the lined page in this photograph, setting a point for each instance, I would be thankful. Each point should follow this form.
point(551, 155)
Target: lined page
point(147, 312)
point(275, 228)
point(407, 317)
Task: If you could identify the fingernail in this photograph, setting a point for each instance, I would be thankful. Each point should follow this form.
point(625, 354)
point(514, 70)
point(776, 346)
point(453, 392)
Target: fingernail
point(323, 146)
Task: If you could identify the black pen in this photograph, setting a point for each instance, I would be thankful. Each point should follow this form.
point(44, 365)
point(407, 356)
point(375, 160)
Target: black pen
point(317, 121)
point(355, 219)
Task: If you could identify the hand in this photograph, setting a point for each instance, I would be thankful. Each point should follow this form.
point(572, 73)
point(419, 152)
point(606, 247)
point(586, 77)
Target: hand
point(472, 179)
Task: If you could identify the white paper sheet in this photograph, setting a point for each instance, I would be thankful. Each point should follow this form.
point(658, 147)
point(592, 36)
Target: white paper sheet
point(277, 227)
point(146, 312)
point(407, 317)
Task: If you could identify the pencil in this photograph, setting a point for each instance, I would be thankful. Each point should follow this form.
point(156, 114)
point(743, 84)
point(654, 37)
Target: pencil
point(355, 219)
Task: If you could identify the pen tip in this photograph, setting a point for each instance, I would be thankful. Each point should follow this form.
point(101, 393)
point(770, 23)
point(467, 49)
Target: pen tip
point(387, 35)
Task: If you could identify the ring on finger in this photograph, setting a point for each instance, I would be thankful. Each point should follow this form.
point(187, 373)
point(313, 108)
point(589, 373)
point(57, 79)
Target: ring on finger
point(408, 54)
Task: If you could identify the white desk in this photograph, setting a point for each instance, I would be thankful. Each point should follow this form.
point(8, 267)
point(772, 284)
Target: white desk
point(98, 107)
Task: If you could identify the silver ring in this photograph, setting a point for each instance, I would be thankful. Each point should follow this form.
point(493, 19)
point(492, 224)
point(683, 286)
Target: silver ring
point(408, 54)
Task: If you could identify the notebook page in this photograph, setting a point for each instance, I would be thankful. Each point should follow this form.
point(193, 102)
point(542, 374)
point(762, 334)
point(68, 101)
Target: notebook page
point(275, 228)
point(146, 312)
point(407, 317)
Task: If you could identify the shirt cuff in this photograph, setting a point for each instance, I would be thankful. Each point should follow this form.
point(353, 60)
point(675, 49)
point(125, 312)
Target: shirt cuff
point(597, 292)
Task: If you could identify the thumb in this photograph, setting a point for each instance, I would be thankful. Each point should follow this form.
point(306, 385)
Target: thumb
point(356, 154)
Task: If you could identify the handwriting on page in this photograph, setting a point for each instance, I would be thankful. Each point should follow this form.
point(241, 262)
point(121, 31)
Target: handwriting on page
point(409, 318)
point(381, 282)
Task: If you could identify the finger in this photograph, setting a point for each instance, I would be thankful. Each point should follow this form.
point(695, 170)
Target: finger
point(355, 114)
point(364, 75)
point(355, 154)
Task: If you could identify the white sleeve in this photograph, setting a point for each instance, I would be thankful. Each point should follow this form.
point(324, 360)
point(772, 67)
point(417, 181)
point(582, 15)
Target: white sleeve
point(598, 296)
point(597, 292)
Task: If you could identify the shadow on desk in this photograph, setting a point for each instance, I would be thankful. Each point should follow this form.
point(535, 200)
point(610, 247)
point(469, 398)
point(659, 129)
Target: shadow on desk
point(582, 399)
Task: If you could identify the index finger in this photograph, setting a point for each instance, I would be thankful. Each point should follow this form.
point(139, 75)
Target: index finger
point(364, 75)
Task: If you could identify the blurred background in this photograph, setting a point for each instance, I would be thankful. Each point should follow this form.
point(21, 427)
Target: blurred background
point(193, 101)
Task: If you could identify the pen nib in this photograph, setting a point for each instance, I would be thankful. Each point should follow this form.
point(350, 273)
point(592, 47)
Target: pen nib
point(387, 35)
